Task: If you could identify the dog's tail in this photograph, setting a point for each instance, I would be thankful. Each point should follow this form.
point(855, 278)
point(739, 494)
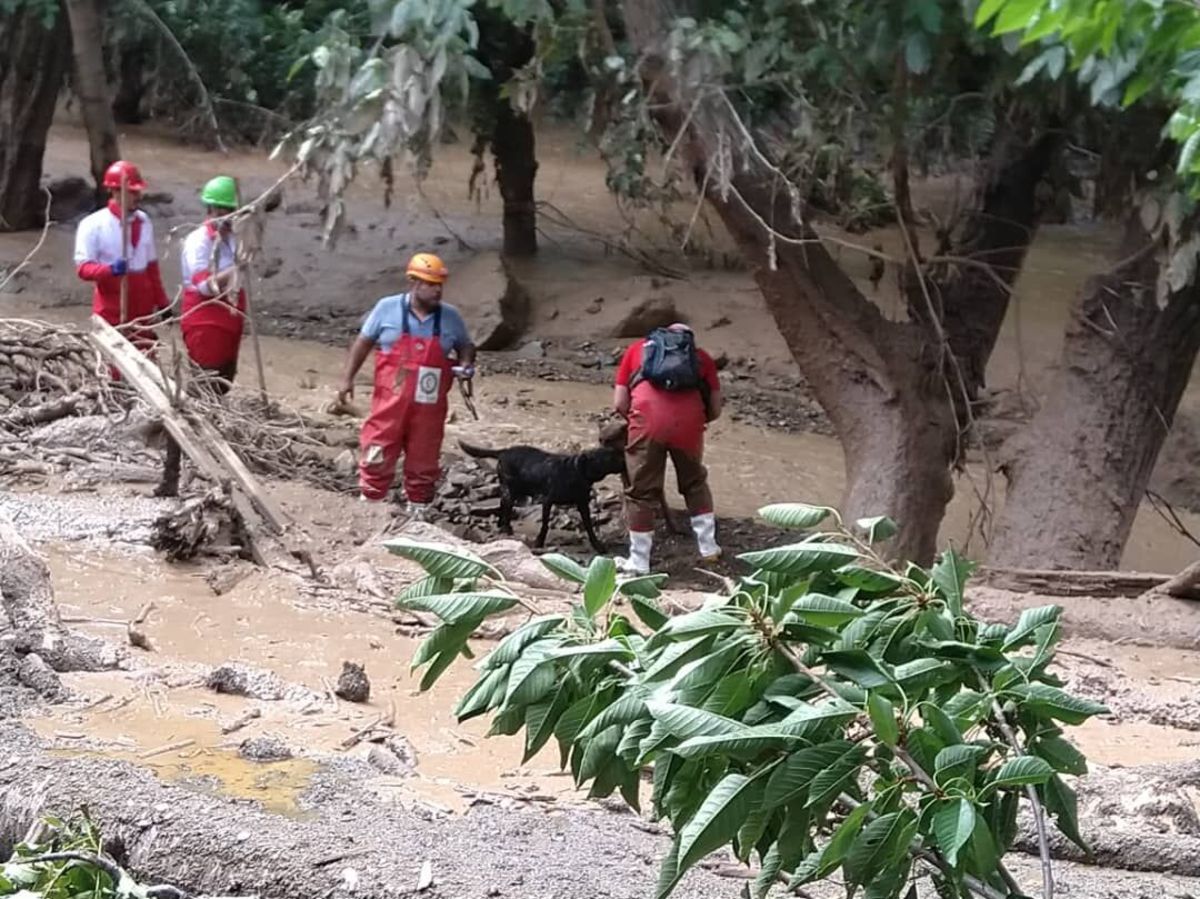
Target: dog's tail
point(479, 452)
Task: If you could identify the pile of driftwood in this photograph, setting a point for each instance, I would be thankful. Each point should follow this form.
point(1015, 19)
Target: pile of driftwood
point(60, 411)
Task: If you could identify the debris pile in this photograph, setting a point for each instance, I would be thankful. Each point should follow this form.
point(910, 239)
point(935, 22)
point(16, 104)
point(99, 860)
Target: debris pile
point(201, 524)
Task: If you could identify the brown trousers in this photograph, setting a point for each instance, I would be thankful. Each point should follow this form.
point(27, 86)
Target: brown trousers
point(646, 462)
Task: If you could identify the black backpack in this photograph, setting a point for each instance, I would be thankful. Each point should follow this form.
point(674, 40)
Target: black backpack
point(669, 360)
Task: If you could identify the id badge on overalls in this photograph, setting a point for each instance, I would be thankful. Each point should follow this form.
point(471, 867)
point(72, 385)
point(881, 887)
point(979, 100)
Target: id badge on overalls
point(429, 385)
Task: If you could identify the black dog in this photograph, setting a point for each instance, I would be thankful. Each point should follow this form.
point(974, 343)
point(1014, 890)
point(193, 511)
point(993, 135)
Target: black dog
point(557, 479)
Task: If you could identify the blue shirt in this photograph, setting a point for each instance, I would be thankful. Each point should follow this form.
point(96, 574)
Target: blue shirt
point(385, 324)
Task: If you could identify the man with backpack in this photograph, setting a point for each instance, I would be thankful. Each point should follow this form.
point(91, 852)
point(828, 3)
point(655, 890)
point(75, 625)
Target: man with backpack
point(668, 390)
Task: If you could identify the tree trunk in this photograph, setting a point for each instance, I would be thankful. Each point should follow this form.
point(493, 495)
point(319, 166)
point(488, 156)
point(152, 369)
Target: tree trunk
point(969, 290)
point(882, 383)
point(505, 49)
point(33, 60)
point(516, 168)
point(131, 83)
point(91, 85)
point(1078, 472)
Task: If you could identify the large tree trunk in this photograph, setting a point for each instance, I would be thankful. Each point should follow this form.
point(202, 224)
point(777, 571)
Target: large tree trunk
point(506, 48)
point(33, 61)
point(91, 84)
point(516, 168)
point(883, 384)
point(1078, 472)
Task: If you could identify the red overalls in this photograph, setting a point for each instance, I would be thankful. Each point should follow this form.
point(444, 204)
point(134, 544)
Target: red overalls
point(408, 415)
point(212, 326)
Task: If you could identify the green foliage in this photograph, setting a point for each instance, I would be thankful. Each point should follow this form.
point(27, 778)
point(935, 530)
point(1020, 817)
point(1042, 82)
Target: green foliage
point(1123, 51)
point(46, 10)
point(828, 713)
point(80, 869)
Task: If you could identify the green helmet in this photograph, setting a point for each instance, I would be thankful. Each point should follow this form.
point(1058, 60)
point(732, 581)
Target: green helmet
point(221, 191)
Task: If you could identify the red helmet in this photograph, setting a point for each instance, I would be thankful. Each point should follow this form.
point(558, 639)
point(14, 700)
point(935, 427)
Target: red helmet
point(121, 169)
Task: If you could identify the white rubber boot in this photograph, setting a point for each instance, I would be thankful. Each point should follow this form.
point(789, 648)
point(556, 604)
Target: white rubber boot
point(638, 561)
point(705, 529)
point(417, 511)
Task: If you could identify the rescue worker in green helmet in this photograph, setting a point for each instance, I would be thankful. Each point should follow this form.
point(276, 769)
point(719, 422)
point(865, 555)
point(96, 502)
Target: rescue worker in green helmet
point(214, 306)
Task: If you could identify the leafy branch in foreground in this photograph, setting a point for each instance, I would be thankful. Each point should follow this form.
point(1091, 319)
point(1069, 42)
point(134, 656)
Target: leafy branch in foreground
point(831, 712)
point(66, 860)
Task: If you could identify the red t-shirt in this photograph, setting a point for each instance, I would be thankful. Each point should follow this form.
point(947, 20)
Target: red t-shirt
point(674, 417)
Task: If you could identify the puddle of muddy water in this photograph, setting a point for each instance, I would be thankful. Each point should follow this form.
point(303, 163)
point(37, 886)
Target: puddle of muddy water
point(163, 718)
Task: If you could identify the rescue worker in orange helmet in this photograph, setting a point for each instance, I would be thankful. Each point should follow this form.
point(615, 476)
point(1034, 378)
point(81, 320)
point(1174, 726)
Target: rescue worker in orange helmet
point(421, 345)
point(99, 258)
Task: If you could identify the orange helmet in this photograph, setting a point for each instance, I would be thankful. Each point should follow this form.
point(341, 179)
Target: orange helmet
point(427, 267)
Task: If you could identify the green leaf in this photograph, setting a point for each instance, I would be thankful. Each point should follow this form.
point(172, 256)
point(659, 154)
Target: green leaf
point(882, 843)
point(825, 611)
point(883, 719)
point(1061, 802)
point(1023, 771)
point(453, 607)
point(648, 612)
point(828, 783)
point(668, 872)
point(953, 824)
point(600, 584)
point(868, 579)
point(597, 753)
point(795, 516)
point(696, 624)
point(801, 558)
point(957, 761)
point(510, 648)
point(627, 709)
point(1016, 15)
point(1064, 757)
point(565, 567)
point(441, 562)
point(881, 527)
point(1030, 621)
point(426, 586)
point(950, 575)
point(532, 677)
point(1055, 703)
point(685, 722)
point(857, 666)
point(646, 586)
point(792, 778)
point(843, 838)
point(452, 636)
point(717, 820)
point(577, 716)
point(746, 743)
point(487, 693)
point(987, 11)
point(540, 720)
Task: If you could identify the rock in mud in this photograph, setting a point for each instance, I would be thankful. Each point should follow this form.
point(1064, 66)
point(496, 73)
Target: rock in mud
point(394, 757)
point(656, 312)
point(254, 683)
point(353, 685)
point(35, 674)
point(70, 197)
point(267, 748)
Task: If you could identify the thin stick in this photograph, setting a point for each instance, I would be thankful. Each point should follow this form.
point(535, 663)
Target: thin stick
point(246, 275)
point(1039, 815)
point(170, 747)
point(37, 246)
point(124, 250)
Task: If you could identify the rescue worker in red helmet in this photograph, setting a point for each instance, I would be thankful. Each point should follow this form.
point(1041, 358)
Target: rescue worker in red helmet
point(213, 309)
point(99, 258)
point(421, 345)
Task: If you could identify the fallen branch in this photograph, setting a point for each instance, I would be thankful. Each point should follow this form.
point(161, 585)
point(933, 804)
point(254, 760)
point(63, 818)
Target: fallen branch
point(1073, 583)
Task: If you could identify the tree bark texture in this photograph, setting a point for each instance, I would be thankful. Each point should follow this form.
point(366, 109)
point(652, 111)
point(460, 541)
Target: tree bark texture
point(91, 85)
point(33, 61)
point(505, 49)
point(970, 282)
point(882, 383)
point(1078, 472)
